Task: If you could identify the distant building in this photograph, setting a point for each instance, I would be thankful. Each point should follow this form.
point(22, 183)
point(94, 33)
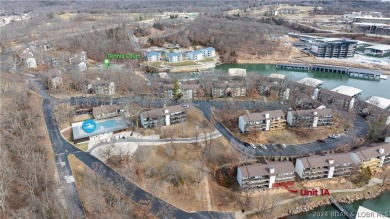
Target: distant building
point(265, 175)
point(373, 157)
point(107, 111)
point(311, 82)
point(237, 72)
point(324, 167)
point(28, 56)
point(331, 98)
point(201, 54)
point(229, 89)
point(56, 82)
point(99, 87)
point(378, 20)
point(334, 49)
point(153, 56)
point(303, 101)
point(264, 121)
point(379, 102)
point(163, 116)
point(174, 57)
point(378, 50)
point(347, 90)
point(186, 91)
point(310, 118)
point(79, 60)
point(195, 55)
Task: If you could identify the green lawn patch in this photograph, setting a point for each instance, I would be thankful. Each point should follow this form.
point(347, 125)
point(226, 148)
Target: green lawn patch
point(183, 63)
point(209, 59)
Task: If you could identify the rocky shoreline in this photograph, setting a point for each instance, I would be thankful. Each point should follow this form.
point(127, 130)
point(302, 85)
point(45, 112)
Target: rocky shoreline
point(344, 198)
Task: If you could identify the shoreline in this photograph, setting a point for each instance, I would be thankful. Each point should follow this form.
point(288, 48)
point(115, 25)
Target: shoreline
point(342, 198)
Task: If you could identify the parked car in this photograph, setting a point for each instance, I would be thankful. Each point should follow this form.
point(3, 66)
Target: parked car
point(335, 136)
point(246, 144)
point(253, 146)
point(284, 146)
point(263, 146)
point(321, 140)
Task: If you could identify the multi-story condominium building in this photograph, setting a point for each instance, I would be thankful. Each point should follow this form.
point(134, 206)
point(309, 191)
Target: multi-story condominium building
point(163, 116)
point(331, 98)
point(303, 101)
point(201, 54)
point(265, 175)
point(322, 167)
point(208, 52)
point(99, 87)
point(373, 157)
point(264, 121)
point(153, 56)
point(310, 118)
point(186, 91)
point(195, 55)
point(229, 89)
point(107, 111)
point(334, 49)
point(174, 57)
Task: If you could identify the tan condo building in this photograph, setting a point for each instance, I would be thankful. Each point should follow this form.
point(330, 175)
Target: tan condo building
point(264, 121)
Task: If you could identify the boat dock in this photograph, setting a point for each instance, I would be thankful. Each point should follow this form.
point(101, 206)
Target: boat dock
point(293, 66)
point(341, 209)
point(352, 72)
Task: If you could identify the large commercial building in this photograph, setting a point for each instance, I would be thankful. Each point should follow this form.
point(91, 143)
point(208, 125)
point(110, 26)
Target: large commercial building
point(334, 49)
point(265, 175)
point(310, 118)
point(163, 116)
point(324, 167)
point(264, 121)
point(373, 157)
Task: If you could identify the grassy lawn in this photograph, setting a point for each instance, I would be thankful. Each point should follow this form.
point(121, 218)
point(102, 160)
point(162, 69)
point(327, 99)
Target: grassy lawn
point(155, 64)
point(209, 59)
point(82, 146)
point(183, 63)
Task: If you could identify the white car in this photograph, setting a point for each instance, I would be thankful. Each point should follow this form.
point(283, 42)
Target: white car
point(263, 146)
point(252, 145)
point(335, 136)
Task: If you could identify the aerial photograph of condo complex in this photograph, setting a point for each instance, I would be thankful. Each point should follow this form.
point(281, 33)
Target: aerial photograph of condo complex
point(184, 109)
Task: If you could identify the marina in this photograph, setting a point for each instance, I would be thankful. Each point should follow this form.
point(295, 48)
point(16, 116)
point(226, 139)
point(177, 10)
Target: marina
point(352, 72)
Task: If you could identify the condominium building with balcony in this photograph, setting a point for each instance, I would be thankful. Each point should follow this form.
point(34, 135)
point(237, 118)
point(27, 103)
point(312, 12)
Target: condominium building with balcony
point(265, 175)
point(373, 157)
point(334, 49)
point(310, 118)
point(324, 167)
point(163, 116)
point(264, 121)
point(229, 89)
point(185, 91)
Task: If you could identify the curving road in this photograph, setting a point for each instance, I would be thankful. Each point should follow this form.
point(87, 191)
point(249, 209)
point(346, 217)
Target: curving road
point(62, 149)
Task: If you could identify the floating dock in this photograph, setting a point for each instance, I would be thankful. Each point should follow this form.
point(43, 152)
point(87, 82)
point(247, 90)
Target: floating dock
point(352, 72)
point(344, 212)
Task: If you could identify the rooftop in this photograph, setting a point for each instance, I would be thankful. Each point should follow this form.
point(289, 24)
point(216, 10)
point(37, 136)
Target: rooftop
point(367, 153)
point(261, 116)
point(105, 109)
point(260, 169)
point(174, 54)
point(323, 161)
point(347, 90)
point(153, 53)
point(280, 76)
point(320, 112)
point(102, 126)
point(379, 47)
point(311, 81)
point(379, 102)
point(162, 111)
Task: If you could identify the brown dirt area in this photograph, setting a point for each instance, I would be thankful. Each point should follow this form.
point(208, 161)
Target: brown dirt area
point(190, 163)
point(99, 198)
point(286, 136)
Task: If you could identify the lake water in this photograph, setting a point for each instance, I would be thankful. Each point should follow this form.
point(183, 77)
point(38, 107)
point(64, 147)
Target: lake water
point(330, 80)
point(380, 204)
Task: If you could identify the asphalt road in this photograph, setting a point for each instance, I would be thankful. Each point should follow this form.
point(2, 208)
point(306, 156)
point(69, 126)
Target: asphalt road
point(62, 149)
